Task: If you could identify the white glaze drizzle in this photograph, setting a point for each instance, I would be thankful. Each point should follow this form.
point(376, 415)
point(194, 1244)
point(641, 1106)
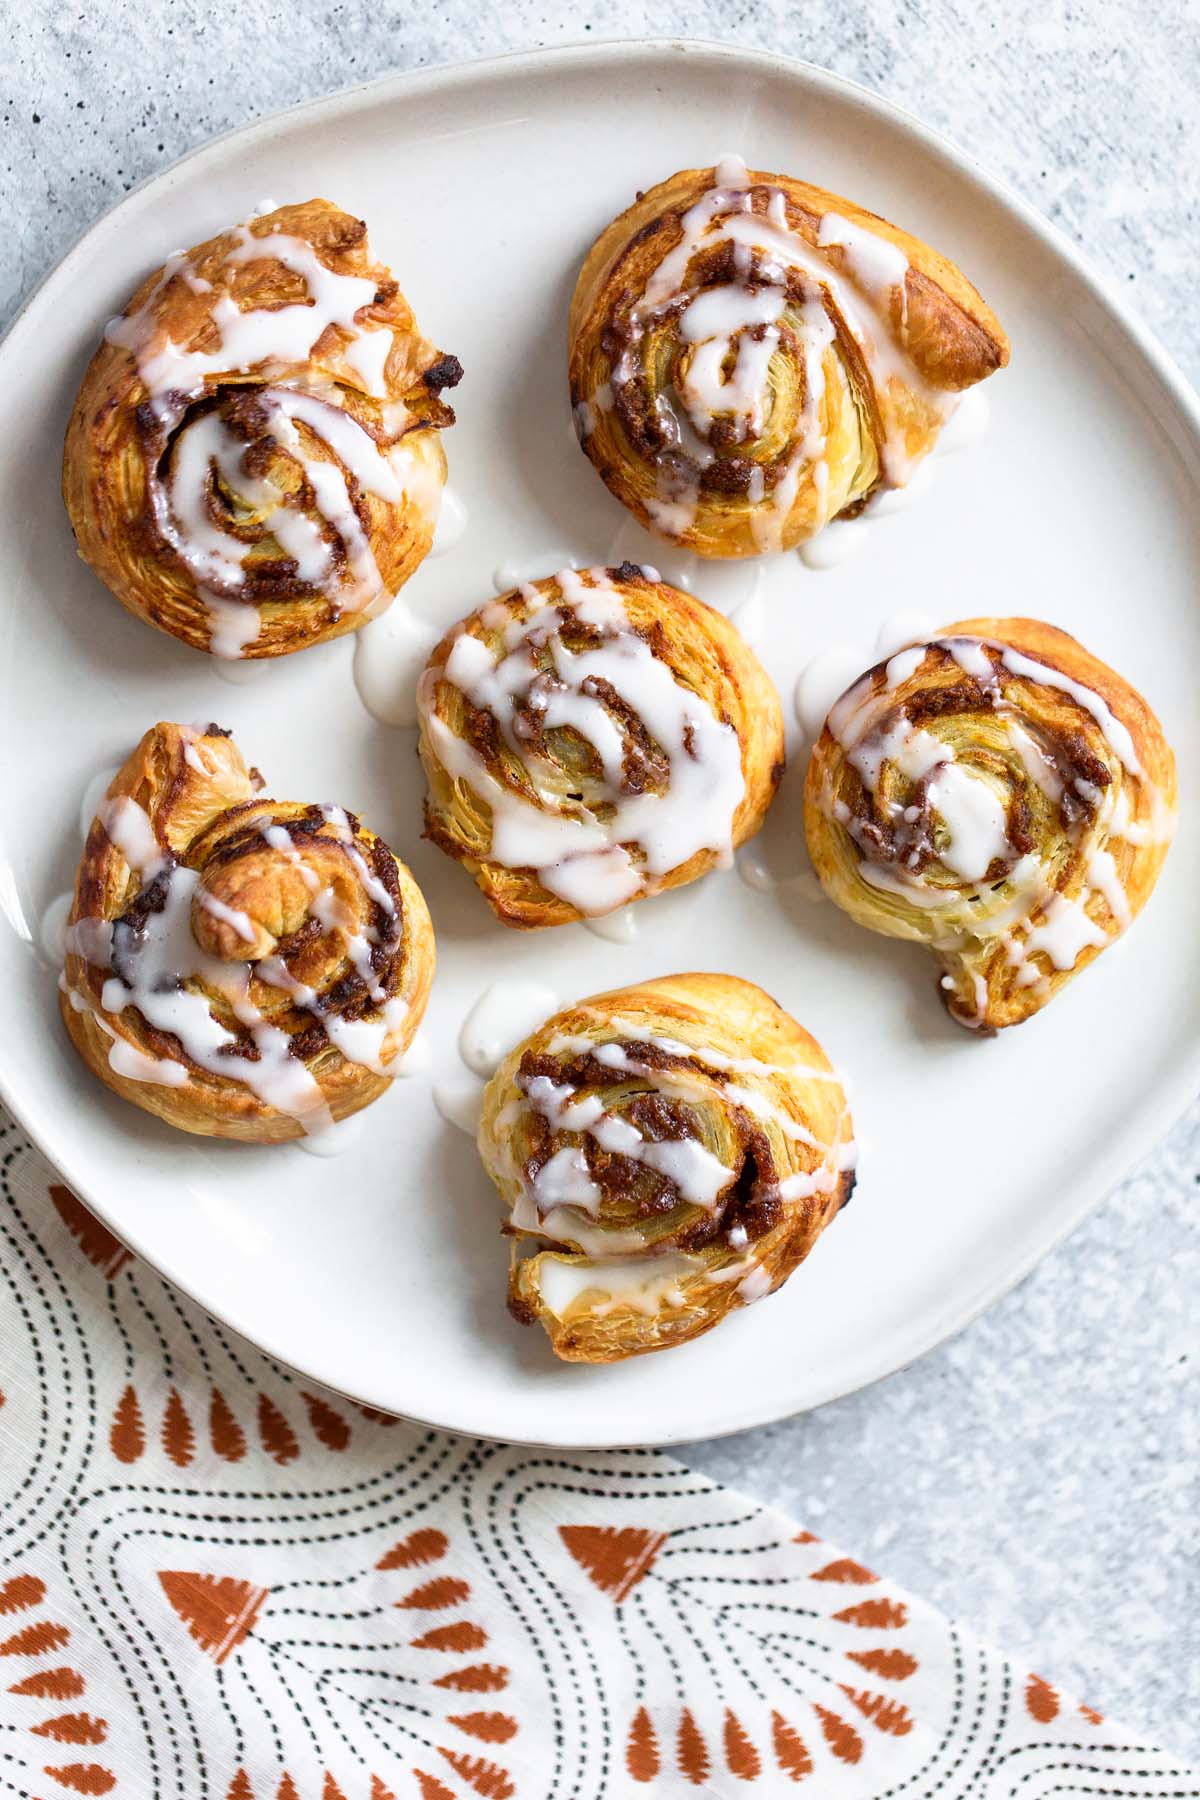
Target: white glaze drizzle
point(755, 1286)
point(696, 1174)
point(875, 263)
point(153, 966)
point(131, 832)
point(561, 1203)
point(249, 338)
point(126, 1059)
point(627, 1030)
point(642, 1285)
point(584, 851)
point(206, 451)
point(232, 625)
point(228, 915)
point(562, 1197)
point(1041, 920)
point(733, 332)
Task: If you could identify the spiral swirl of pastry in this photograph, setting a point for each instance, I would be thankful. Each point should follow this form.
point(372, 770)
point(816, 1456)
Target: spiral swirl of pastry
point(253, 463)
point(242, 967)
point(751, 357)
point(594, 738)
point(1000, 795)
point(671, 1151)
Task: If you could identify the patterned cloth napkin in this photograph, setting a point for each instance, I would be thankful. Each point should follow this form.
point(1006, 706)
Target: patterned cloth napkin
point(218, 1580)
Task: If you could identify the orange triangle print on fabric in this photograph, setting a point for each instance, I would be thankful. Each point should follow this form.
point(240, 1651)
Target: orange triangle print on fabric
point(218, 1610)
point(893, 1665)
point(845, 1569)
point(791, 1752)
point(741, 1757)
point(278, 1438)
point(178, 1438)
point(887, 1715)
point(83, 1778)
point(35, 1639)
point(616, 1558)
point(127, 1433)
point(21, 1592)
point(641, 1751)
point(1041, 1700)
point(73, 1728)
point(431, 1788)
point(488, 1779)
point(51, 1684)
point(418, 1547)
point(329, 1427)
point(691, 1751)
point(228, 1438)
point(841, 1737)
point(875, 1615)
point(96, 1241)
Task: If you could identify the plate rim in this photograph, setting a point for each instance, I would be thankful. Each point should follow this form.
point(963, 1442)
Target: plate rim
point(1161, 1109)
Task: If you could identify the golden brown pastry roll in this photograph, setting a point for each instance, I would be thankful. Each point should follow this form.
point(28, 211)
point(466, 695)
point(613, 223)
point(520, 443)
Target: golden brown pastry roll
point(244, 968)
point(668, 1153)
point(1000, 795)
point(594, 738)
point(751, 357)
point(254, 462)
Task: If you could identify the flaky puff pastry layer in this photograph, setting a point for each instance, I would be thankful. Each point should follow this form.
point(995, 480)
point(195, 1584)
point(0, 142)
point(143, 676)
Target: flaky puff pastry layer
point(999, 795)
point(513, 796)
point(751, 356)
point(241, 967)
point(253, 463)
point(667, 1153)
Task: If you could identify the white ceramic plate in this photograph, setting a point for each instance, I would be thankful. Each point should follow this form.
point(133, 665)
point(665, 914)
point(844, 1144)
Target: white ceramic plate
point(382, 1273)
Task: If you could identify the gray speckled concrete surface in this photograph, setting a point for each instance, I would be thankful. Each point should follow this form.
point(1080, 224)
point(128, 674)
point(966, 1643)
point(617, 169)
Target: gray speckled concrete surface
point(1037, 1476)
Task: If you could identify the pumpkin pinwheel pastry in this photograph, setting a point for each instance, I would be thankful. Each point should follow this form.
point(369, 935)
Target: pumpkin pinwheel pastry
point(751, 357)
point(244, 968)
point(254, 462)
point(594, 738)
point(999, 795)
point(665, 1154)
